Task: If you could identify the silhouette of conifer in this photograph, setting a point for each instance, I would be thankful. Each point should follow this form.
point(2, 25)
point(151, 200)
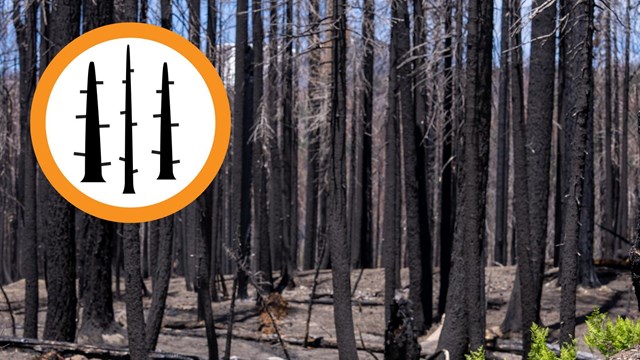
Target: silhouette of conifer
point(128, 132)
point(92, 156)
point(166, 146)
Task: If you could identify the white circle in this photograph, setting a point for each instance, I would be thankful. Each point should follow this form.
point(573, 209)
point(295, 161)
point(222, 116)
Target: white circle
point(191, 107)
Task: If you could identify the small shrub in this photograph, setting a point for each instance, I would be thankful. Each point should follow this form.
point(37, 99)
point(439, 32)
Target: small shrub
point(476, 355)
point(608, 337)
point(540, 351)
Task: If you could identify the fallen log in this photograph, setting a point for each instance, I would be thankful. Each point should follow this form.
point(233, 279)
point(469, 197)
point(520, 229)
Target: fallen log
point(329, 301)
point(68, 349)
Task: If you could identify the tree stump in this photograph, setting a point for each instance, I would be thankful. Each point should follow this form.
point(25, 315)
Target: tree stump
point(400, 338)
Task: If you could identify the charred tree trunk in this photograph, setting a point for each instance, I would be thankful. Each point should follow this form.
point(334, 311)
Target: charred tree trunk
point(608, 214)
point(133, 295)
point(336, 191)
point(366, 190)
point(447, 187)
point(313, 140)
point(276, 228)
point(464, 329)
point(161, 277)
point(399, 106)
point(578, 97)
point(26, 36)
point(260, 210)
point(97, 298)
point(288, 151)
point(502, 174)
point(60, 266)
point(421, 287)
point(623, 202)
point(240, 175)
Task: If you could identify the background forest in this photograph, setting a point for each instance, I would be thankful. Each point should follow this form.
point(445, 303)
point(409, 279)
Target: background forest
point(391, 162)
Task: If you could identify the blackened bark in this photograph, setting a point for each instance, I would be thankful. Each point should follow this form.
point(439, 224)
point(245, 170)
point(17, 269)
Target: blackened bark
point(125, 10)
point(97, 301)
point(212, 23)
point(587, 275)
point(133, 292)
point(578, 97)
point(97, 298)
point(240, 175)
point(64, 26)
point(502, 173)
point(194, 22)
point(634, 252)
point(560, 142)
point(399, 106)
point(401, 340)
point(623, 202)
point(165, 14)
point(276, 228)
point(366, 226)
point(608, 215)
point(26, 37)
point(336, 191)
point(420, 274)
point(203, 265)
point(313, 141)
point(447, 189)
point(464, 325)
point(161, 277)
point(260, 211)
point(289, 152)
point(523, 195)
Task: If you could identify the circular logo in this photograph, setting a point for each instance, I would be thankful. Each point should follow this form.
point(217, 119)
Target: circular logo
point(130, 122)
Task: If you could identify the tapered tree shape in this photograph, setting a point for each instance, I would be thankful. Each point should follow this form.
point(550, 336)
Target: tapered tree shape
point(166, 144)
point(128, 132)
point(92, 150)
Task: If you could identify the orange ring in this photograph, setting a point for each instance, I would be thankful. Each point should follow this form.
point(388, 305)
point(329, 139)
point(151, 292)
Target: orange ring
point(143, 213)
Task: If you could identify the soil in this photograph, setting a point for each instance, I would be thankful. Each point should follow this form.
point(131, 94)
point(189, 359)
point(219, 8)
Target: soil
point(182, 333)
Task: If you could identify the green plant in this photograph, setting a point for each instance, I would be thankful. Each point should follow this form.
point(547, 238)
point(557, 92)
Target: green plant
point(540, 351)
point(476, 355)
point(608, 337)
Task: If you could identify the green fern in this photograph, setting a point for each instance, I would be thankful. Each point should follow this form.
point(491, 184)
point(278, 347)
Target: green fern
point(539, 349)
point(476, 355)
point(569, 351)
point(608, 337)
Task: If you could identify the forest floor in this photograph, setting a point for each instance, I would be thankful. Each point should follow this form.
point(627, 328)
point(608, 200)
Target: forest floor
point(183, 334)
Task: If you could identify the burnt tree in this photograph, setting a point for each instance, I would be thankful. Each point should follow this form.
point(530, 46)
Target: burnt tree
point(60, 260)
point(336, 190)
point(578, 102)
point(463, 327)
point(25, 23)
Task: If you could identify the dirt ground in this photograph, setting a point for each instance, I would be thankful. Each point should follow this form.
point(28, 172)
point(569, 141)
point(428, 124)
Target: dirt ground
point(183, 334)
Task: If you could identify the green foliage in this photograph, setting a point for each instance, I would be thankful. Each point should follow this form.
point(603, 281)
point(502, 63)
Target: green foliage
point(540, 351)
point(569, 351)
point(476, 355)
point(608, 337)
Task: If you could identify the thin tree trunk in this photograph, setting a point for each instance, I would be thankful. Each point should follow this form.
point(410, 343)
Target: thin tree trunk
point(502, 174)
point(162, 278)
point(447, 202)
point(336, 196)
point(260, 209)
point(578, 97)
point(26, 37)
point(133, 294)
